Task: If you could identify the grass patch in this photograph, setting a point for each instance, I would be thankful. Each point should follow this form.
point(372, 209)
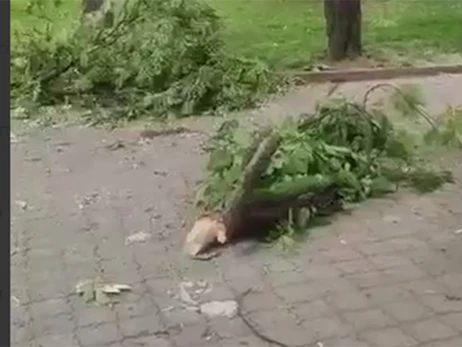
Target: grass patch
point(292, 33)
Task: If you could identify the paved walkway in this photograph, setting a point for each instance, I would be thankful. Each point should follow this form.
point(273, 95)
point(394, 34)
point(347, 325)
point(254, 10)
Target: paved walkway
point(389, 274)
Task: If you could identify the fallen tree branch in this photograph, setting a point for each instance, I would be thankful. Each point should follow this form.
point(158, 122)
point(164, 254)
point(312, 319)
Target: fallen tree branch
point(235, 210)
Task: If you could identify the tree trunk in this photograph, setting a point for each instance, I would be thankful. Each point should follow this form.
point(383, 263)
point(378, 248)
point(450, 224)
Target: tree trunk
point(89, 6)
point(98, 11)
point(343, 23)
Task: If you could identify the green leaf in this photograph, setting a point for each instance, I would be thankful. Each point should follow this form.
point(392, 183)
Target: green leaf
point(381, 186)
point(220, 160)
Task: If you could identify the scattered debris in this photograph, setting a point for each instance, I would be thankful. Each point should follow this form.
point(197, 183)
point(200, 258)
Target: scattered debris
point(116, 288)
point(160, 173)
point(13, 138)
point(391, 219)
point(137, 238)
point(99, 292)
point(33, 159)
point(88, 200)
point(168, 309)
point(14, 301)
point(207, 256)
point(189, 293)
point(169, 331)
point(21, 204)
point(14, 251)
point(208, 334)
point(152, 133)
point(220, 308)
point(138, 164)
point(452, 297)
point(184, 295)
point(118, 144)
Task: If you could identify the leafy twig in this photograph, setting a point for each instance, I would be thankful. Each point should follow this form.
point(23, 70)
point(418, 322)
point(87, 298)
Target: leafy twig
point(404, 97)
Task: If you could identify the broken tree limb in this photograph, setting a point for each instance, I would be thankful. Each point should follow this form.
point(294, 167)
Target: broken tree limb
point(213, 228)
point(252, 212)
point(235, 210)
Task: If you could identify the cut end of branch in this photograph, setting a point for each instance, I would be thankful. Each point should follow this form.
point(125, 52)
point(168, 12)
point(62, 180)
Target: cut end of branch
point(207, 231)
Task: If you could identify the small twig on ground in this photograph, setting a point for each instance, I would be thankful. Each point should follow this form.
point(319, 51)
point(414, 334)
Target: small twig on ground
point(261, 336)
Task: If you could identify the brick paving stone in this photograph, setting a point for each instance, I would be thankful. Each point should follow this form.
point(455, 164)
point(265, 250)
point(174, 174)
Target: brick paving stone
point(440, 303)
point(312, 309)
point(53, 325)
point(343, 342)
point(429, 330)
point(387, 337)
point(256, 301)
point(142, 306)
point(319, 271)
point(349, 301)
point(326, 327)
point(445, 343)
point(355, 266)
point(91, 315)
point(99, 335)
point(57, 341)
point(280, 266)
point(147, 341)
point(371, 279)
point(183, 316)
point(386, 261)
point(302, 292)
point(282, 279)
point(247, 341)
point(140, 326)
point(407, 310)
point(385, 294)
point(195, 336)
point(295, 336)
point(368, 319)
point(454, 320)
point(268, 319)
point(227, 328)
point(50, 308)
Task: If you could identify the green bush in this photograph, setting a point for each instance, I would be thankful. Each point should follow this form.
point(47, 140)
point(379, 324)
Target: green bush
point(156, 57)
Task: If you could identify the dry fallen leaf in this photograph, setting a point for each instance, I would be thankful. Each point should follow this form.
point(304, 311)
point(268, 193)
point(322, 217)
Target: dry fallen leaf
point(14, 301)
point(185, 297)
point(116, 288)
point(226, 308)
point(118, 144)
point(137, 237)
point(21, 204)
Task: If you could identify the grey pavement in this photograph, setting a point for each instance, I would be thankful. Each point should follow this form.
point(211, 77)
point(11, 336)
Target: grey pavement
point(388, 274)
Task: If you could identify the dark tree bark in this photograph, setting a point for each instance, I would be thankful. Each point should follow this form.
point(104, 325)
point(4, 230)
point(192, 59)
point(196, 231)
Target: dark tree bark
point(89, 6)
point(343, 23)
point(98, 11)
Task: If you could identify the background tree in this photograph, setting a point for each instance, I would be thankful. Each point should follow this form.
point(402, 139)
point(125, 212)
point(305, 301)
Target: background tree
point(89, 6)
point(99, 11)
point(343, 22)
